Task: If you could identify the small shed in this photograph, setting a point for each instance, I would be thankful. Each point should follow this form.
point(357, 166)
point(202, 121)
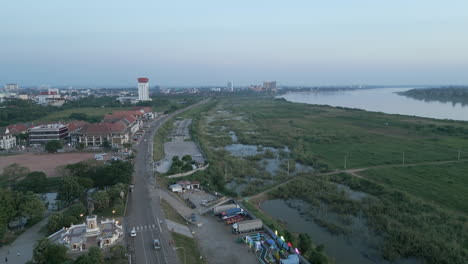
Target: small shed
point(175, 188)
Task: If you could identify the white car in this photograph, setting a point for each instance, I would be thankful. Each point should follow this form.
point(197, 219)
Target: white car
point(133, 233)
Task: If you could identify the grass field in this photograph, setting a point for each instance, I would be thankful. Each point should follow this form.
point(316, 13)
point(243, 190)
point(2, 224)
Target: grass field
point(172, 214)
point(323, 136)
point(442, 184)
point(187, 251)
point(89, 111)
point(190, 253)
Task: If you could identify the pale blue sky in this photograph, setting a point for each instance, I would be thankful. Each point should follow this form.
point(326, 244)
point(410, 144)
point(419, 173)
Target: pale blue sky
point(208, 42)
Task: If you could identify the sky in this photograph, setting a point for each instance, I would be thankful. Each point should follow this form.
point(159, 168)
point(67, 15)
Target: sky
point(206, 42)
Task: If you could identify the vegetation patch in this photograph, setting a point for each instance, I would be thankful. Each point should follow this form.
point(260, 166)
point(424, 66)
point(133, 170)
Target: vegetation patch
point(445, 185)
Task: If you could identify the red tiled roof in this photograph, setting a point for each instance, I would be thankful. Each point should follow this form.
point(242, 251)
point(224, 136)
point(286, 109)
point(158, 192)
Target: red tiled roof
point(103, 128)
point(114, 118)
point(17, 128)
point(145, 109)
point(126, 113)
point(75, 125)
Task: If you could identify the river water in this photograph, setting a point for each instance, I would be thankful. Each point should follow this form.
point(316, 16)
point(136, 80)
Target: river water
point(362, 247)
point(382, 100)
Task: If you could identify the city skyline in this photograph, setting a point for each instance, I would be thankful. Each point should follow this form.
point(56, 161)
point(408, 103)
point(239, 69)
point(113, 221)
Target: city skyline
point(206, 43)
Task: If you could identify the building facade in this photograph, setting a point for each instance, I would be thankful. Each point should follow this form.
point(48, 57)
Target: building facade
point(269, 86)
point(45, 133)
point(230, 86)
point(7, 139)
point(11, 87)
point(143, 89)
point(95, 135)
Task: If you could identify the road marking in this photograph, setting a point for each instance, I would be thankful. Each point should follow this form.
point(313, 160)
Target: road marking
point(159, 224)
point(153, 226)
point(137, 228)
point(146, 227)
point(144, 250)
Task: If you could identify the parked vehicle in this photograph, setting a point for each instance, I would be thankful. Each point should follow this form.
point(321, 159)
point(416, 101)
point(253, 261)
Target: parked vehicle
point(222, 208)
point(232, 211)
point(193, 218)
point(232, 214)
point(156, 244)
point(133, 233)
point(234, 219)
point(247, 226)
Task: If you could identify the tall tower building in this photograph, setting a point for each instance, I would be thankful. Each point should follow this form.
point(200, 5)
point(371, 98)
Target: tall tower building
point(143, 89)
point(230, 86)
point(269, 86)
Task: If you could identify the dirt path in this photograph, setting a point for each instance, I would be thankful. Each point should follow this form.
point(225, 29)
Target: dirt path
point(355, 172)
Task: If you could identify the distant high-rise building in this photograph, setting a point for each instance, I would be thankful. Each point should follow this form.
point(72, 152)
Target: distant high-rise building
point(11, 87)
point(143, 89)
point(269, 86)
point(230, 86)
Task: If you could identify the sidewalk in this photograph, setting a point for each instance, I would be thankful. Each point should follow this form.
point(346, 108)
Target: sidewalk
point(178, 228)
point(23, 245)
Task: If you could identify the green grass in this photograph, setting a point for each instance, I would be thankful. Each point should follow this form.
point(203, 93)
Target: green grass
point(323, 136)
point(190, 252)
point(443, 184)
point(90, 111)
point(189, 244)
point(172, 214)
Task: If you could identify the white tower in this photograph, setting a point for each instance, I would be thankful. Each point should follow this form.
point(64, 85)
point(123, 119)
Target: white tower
point(143, 89)
point(230, 86)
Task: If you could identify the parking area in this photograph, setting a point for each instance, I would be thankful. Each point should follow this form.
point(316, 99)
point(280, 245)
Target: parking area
point(215, 239)
point(180, 145)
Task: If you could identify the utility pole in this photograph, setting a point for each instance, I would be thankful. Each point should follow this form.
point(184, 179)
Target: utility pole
point(345, 160)
point(225, 172)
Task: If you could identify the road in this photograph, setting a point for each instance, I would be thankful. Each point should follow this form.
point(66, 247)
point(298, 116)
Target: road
point(143, 207)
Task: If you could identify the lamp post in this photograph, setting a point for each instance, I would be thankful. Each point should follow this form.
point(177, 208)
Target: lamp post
point(184, 252)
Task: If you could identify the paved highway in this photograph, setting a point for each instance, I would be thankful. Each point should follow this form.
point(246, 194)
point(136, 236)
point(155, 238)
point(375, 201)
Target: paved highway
point(143, 208)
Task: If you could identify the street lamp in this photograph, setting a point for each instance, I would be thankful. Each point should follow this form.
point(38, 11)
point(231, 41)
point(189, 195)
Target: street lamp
point(183, 249)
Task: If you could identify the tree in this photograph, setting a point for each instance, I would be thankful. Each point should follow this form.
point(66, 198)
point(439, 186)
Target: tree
point(120, 171)
point(115, 190)
point(117, 254)
point(55, 223)
point(187, 158)
point(53, 146)
point(31, 206)
point(35, 181)
point(70, 189)
point(101, 200)
point(13, 172)
point(80, 146)
point(7, 209)
point(47, 252)
point(106, 145)
point(96, 256)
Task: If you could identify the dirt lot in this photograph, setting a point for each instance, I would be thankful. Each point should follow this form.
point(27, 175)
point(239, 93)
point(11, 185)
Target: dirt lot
point(44, 162)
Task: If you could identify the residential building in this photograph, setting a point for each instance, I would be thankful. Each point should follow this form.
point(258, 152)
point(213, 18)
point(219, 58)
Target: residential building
point(7, 139)
point(50, 97)
point(143, 89)
point(11, 87)
point(17, 129)
point(45, 133)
